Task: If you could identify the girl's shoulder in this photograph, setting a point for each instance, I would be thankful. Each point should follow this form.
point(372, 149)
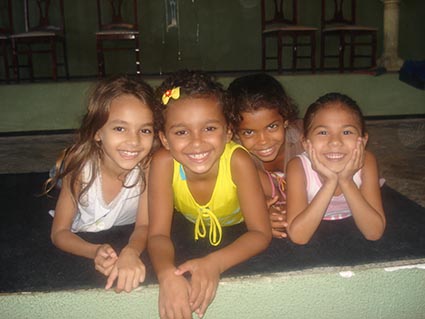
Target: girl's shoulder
point(161, 154)
point(370, 162)
point(369, 159)
point(240, 154)
point(162, 163)
point(295, 165)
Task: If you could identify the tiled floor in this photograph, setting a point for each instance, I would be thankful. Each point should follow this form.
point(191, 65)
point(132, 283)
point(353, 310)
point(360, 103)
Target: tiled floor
point(398, 144)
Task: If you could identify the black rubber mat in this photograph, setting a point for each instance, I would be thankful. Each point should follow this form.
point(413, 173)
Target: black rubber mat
point(29, 262)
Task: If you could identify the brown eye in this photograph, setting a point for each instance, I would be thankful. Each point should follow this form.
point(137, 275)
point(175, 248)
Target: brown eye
point(119, 129)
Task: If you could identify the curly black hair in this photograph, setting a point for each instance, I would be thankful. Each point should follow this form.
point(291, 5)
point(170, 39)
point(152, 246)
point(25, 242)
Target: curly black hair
point(192, 83)
point(256, 91)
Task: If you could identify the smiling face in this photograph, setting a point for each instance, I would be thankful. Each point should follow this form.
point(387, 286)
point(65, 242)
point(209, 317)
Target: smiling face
point(333, 132)
point(127, 136)
point(195, 133)
point(262, 133)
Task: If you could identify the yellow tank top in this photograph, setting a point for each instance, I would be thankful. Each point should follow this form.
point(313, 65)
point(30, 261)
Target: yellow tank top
point(223, 208)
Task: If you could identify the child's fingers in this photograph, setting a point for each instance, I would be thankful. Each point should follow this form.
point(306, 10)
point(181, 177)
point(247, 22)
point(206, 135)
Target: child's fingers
point(278, 217)
point(100, 266)
point(361, 152)
point(111, 278)
point(132, 280)
point(107, 263)
point(313, 157)
point(111, 252)
point(121, 282)
point(209, 297)
point(271, 201)
point(107, 271)
point(196, 294)
point(183, 268)
point(279, 225)
point(106, 251)
point(138, 278)
point(141, 278)
point(279, 233)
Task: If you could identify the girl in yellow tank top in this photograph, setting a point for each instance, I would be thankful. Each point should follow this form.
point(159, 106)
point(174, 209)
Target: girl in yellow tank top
point(211, 180)
point(222, 209)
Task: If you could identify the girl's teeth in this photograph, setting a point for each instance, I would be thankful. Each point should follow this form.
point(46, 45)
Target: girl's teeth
point(129, 153)
point(267, 151)
point(334, 156)
point(198, 156)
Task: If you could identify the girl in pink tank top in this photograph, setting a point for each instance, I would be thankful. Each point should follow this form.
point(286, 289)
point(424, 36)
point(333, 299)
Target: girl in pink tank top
point(336, 177)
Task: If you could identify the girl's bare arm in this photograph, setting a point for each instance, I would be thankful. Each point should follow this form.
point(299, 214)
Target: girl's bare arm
point(129, 269)
point(304, 218)
point(173, 289)
point(61, 234)
point(366, 203)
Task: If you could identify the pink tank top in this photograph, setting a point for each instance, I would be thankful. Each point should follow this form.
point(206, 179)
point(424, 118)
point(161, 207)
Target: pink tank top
point(338, 207)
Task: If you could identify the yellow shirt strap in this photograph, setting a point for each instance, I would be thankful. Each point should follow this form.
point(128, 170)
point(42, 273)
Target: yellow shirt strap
point(215, 232)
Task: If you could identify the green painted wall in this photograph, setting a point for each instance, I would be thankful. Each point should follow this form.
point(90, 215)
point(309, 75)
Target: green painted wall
point(219, 35)
point(370, 293)
point(56, 106)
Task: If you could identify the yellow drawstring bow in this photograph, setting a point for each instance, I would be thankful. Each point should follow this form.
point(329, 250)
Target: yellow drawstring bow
point(174, 93)
point(215, 232)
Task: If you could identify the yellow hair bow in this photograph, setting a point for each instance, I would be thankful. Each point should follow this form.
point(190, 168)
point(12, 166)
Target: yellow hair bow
point(174, 93)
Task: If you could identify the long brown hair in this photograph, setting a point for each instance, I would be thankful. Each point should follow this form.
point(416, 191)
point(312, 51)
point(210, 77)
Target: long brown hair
point(71, 161)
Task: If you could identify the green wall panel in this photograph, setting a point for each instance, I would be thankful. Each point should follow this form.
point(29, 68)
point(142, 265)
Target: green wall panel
point(219, 35)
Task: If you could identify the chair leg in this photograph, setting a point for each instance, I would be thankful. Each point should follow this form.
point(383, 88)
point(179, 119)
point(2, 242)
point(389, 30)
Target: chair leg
point(30, 64)
point(65, 59)
point(54, 59)
point(294, 52)
point(263, 52)
point(322, 52)
point(15, 60)
point(313, 51)
point(137, 50)
point(5, 61)
point(373, 58)
point(100, 59)
point(352, 50)
point(341, 52)
point(279, 53)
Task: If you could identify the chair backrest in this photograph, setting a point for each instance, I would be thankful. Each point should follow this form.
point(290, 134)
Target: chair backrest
point(117, 14)
point(338, 12)
point(285, 12)
point(44, 15)
point(6, 17)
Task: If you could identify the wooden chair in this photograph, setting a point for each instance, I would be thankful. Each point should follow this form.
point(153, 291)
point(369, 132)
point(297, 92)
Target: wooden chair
point(283, 25)
point(342, 25)
point(44, 31)
point(6, 29)
point(117, 29)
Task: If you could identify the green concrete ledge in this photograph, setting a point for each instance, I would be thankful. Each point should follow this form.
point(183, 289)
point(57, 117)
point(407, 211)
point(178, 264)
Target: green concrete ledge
point(394, 290)
point(59, 106)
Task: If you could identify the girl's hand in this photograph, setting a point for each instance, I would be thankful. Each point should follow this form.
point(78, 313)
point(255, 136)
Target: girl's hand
point(174, 292)
point(129, 270)
point(277, 216)
point(318, 166)
point(105, 259)
point(205, 276)
point(355, 163)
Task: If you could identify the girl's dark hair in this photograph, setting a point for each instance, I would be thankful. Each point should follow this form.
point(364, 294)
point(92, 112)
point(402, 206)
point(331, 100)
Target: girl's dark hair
point(255, 91)
point(331, 99)
point(72, 160)
point(194, 84)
